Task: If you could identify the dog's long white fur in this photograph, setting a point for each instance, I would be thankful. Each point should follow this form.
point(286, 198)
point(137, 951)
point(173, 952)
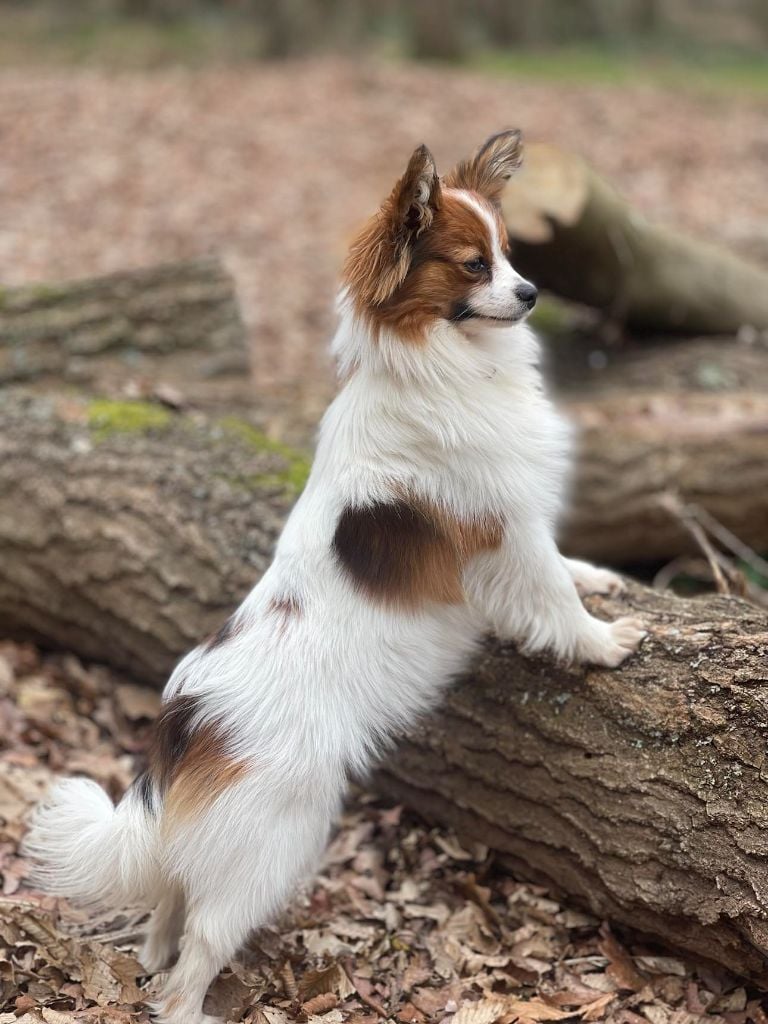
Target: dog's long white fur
point(463, 422)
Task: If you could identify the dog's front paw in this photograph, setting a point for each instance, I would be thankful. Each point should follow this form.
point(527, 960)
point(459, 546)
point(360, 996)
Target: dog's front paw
point(624, 636)
point(599, 581)
point(611, 643)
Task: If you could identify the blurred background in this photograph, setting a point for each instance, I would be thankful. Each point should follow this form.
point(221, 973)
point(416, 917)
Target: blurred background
point(139, 131)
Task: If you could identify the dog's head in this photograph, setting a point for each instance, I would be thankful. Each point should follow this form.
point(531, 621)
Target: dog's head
point(438, 250)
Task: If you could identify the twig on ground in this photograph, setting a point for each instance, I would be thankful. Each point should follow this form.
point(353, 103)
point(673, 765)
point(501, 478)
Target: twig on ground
point(687, 518)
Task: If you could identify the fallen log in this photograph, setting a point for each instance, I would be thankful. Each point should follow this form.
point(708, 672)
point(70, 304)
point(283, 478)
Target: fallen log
point(573, 234)
point(127, 533)
point(176, 324)
point(581, 366)
point(635, 449)
point(642, 793)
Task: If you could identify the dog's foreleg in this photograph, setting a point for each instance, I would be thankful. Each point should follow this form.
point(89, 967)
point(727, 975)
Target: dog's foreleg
point(527, 592)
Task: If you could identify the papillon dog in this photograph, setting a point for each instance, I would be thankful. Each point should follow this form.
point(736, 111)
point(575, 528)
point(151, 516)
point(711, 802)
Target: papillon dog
point(428, 520)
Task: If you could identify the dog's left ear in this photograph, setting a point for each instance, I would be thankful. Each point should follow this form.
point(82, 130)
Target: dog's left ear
point(489, 169)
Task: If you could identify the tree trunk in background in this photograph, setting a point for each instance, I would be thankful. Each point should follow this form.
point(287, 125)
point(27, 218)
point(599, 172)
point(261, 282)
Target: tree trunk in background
point(641, 792)
point(648, 16)
point(575, 236)
point(128, 533)
point(177, 323)
point(289, 27)
point(437, 31)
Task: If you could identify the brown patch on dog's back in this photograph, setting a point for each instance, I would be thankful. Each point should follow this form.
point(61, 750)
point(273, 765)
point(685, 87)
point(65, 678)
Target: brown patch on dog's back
point(406, 553)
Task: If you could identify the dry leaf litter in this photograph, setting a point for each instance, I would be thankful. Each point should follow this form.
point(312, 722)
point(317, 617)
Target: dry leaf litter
point(405, 922)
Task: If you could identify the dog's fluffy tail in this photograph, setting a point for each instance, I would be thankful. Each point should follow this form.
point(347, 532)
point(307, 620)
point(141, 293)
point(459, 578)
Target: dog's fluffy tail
point(90, 851)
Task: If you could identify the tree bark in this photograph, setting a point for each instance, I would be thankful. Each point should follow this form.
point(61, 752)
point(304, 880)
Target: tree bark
point(577, 237)
point(128, 532)
point(128, 536)
point(177, 323)
point(633, 449)
point(642, 792)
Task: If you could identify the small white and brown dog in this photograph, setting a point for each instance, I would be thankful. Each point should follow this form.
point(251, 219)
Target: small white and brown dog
point(428, 519)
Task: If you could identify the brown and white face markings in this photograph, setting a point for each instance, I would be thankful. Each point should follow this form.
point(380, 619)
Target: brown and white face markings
point(440, 250)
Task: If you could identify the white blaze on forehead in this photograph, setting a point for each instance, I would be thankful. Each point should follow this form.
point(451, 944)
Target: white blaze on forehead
point(497, 298)
point(488, 220)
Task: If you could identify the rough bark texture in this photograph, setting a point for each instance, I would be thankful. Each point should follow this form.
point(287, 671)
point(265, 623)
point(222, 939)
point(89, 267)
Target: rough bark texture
point(177, 323)
point(642, 792)
point(574, 235)
point(128, 533)
point(710, 449)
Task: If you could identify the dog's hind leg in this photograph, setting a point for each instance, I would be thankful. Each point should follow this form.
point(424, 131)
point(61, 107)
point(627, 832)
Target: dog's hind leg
point(210, 942)
point(164, 930)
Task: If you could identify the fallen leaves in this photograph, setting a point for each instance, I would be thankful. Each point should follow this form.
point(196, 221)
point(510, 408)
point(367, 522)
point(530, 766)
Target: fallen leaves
point(396, 926)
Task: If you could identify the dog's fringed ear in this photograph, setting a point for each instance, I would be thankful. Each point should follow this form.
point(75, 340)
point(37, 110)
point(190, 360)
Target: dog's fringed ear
point(415, 197)
point(379, 259)
point(489, 169)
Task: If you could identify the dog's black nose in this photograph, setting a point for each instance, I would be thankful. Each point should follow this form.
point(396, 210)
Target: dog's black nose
point(526, 293)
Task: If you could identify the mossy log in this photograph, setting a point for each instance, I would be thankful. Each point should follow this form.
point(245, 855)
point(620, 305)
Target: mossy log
point(176, 324)
point(128, 533)
point(574, 235)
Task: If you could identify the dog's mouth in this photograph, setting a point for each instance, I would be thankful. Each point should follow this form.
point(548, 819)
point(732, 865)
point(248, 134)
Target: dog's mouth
point(464, 312)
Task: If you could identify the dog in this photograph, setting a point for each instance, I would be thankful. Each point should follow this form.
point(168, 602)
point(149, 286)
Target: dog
point(428, 519)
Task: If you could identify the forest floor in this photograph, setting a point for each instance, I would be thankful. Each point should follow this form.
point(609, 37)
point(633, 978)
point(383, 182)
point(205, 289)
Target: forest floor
point(404, 921)
point(274, 165)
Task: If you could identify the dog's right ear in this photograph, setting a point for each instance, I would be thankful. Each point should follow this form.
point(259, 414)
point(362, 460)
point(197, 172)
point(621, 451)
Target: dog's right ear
point(379, 259)
point(415, 197)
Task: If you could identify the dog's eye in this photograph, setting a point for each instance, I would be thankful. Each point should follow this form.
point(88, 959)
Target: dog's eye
point(477, 265)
